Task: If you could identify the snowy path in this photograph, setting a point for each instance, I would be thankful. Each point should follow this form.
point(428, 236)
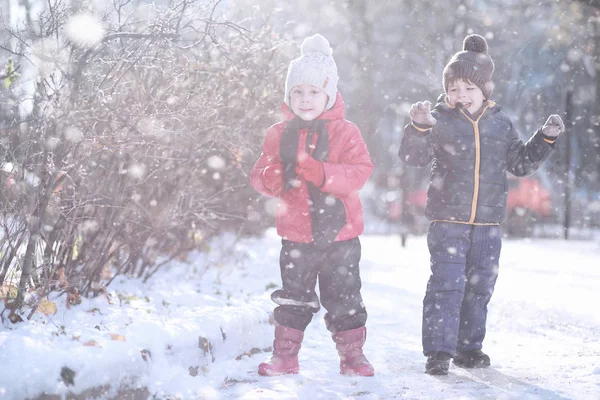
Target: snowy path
point(543, 332)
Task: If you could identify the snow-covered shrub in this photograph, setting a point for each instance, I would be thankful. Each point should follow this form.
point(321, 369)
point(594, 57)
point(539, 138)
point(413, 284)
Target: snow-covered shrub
point(135, 143)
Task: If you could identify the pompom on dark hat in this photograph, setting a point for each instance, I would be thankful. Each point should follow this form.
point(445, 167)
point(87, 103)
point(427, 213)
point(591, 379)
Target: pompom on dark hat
point(472, 63)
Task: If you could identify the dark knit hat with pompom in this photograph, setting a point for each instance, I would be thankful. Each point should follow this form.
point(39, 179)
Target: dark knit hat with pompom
point(472, 63)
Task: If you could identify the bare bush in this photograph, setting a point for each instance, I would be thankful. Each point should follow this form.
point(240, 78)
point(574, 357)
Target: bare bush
point(136, 148)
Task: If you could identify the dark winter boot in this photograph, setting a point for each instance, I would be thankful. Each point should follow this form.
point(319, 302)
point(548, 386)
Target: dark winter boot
point(349, 346)
point(438, 363)
point(471, 359)
point(285, 353)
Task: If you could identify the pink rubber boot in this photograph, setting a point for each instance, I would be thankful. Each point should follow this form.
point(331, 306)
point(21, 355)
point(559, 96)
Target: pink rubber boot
point(285, 353)
point(349, 346)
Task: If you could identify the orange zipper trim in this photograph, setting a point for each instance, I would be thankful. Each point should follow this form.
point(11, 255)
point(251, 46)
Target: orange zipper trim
point(477, 161)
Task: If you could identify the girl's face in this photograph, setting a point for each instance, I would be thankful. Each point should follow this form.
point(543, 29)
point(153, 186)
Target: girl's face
point(307, 101)
point(467, 93)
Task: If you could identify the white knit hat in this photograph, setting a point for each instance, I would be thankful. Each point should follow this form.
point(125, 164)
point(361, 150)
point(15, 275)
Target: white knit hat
point(314, 67)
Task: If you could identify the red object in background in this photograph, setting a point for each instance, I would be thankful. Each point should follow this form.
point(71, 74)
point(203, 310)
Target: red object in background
point(417, 198)
point(527, 201)
point(528, 193)
point(415, 201)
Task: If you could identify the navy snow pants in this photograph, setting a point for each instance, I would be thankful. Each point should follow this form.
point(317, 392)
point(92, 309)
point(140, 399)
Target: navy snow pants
point(337, 270)
point(464, 268)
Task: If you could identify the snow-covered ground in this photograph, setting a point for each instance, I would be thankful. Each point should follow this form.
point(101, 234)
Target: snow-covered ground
point(543, 331)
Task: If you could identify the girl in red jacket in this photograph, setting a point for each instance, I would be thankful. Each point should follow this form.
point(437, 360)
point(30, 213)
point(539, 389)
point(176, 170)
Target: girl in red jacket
point(315, 162)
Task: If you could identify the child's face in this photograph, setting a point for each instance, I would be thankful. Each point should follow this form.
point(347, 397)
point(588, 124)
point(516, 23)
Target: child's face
point(307, 101)
point(467, 93)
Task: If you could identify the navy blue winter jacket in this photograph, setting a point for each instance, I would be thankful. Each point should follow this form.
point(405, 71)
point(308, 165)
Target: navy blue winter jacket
point(470, 159)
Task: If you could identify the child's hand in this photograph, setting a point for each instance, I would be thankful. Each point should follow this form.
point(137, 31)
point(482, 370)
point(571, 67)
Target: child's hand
point(420, 113)
point(310, 169)
point(553, 126)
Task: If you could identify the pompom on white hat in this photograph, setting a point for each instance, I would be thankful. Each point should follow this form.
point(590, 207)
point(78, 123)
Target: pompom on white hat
point(315, 67)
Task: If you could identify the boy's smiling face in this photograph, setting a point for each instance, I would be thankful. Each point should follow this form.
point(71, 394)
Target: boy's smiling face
point(307, 101)
point(467, 93)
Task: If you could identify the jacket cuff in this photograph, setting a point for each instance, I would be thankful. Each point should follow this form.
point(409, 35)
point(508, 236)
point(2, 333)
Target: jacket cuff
point(421, 127)
point(548, 139)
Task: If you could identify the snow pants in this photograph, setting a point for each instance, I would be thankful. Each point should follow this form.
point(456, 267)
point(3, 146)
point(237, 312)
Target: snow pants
point(337, 270)
point(464, 268)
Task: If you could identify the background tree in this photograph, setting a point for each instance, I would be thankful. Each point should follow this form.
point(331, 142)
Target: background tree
point(391, 54)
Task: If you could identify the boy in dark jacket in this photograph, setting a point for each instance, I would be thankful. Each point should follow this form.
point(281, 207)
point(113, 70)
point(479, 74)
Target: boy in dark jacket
point(472, 144)
point(315, 162)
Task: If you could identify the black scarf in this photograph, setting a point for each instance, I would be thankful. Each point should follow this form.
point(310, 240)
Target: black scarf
point(328, 212)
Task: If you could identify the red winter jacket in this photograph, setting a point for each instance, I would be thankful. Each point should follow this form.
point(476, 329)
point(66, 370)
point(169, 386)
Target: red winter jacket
point(346, 171)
